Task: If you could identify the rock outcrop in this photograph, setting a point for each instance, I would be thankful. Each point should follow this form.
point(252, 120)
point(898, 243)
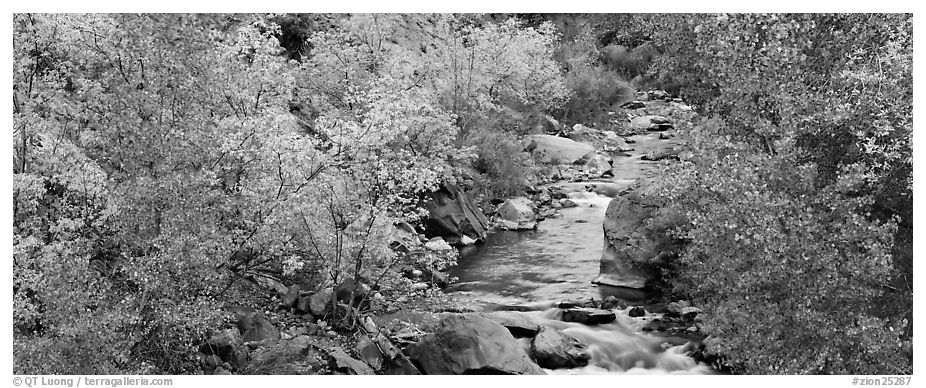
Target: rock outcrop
point(453, 215)
point(471, 344)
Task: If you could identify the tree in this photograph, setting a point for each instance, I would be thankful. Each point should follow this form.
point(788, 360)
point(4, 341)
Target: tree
point(798, 193)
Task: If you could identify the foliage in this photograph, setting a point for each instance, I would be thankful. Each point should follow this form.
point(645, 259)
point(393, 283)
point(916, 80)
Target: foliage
point(798, 194)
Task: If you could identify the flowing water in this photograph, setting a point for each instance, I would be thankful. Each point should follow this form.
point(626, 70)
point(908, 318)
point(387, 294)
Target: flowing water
point(557, 262)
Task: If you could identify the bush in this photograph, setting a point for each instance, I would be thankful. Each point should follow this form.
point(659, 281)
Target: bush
point(505, 169)
point(786, 270)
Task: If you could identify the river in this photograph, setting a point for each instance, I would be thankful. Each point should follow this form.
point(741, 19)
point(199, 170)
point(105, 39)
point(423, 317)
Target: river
point(557, 262)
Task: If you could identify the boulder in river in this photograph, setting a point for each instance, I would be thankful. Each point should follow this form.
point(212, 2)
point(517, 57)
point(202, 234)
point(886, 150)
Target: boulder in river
point(633, 243)
point(452, 214)
point(559, 150)
point(588, 316)
point(518, 210)
point(553, 349)
point(471, 344)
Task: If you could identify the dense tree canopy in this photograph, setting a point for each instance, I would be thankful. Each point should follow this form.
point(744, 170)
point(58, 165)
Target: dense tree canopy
point(165, 163)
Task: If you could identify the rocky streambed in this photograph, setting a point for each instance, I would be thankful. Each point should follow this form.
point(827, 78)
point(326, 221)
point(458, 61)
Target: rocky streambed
point(553, 287)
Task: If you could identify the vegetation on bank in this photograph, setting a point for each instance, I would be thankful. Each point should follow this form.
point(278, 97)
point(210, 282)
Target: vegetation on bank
point(164, 165)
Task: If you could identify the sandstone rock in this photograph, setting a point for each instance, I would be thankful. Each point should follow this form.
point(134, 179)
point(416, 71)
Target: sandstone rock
point(369, 352)
point(403, 237)
point(291, 296)
point(518, 210)
point(303, 305)
point(438, 244)
point(553, 349)
point(588, 316)
point(631, 241)
point(347, 364)
point(319, 302)
point(559, 150)
point(598, 166)
point(471, 344)
point(452, 214)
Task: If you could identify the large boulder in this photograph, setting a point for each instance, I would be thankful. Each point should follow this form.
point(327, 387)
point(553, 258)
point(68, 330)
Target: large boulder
point(634, 245)
point(518, 211)
point(471, 344)
point(553, 349)
point(559, 150)
point(452, 214)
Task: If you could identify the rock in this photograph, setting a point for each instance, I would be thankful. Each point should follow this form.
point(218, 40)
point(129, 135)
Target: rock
point(466, 240)
point(452, 214)
point(559, 150)
point(291, 296)
point(347, 364)
point(674, 308)
point(331, 334)
point(297, 356)
point(227, 345)
point(369, 352)
point(553, 349)
point(352, 293)
point(655, 156)
point(637, 312)
point(518, 210)
point(598, 165)
point(650, 123)
point(631, 240)
point(471, 344)
point(517, 326)
point(395, 362)
point(689, 313)
point(568, 203)
point(255, 327)
point(403, 237)
point(438, 244)
point(419, 286)
point(588, 316)
point(221, 371)
point(273, 284)
point(319, 302)
point(303, 305)
point(633, 105)
point(664, 136)
point(611, 302)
